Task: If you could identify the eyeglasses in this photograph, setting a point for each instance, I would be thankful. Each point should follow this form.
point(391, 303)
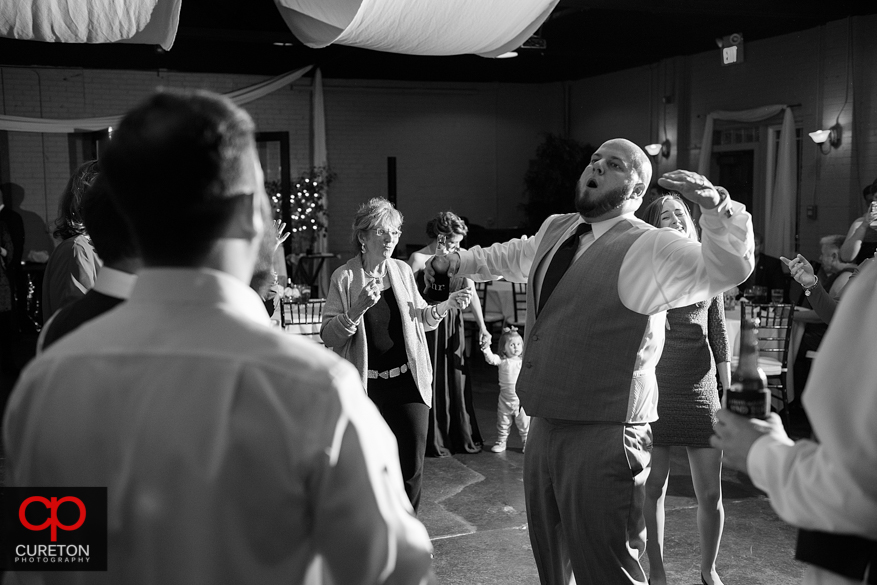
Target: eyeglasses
point(393, 233)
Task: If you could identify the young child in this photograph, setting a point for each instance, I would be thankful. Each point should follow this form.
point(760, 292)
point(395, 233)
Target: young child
point(511, 348)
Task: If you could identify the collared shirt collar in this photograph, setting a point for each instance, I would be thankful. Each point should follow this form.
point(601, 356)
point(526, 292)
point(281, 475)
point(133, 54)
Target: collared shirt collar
point(601, 227)
point(115, 283)
point(199, 285)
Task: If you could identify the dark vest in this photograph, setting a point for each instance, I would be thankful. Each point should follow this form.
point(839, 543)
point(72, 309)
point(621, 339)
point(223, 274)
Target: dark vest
point(580, 351)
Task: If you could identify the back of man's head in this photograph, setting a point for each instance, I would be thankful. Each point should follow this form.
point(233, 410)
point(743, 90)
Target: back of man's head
point(174, 167)
point(106, 227)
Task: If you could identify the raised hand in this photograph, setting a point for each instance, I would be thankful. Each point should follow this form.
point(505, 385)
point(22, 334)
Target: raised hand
point(802, 271)
point(429, 271)
point(279, 227)
point(696, 188)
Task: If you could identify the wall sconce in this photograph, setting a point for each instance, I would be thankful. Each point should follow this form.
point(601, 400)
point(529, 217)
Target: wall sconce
point(662, 148)
point(832, 136)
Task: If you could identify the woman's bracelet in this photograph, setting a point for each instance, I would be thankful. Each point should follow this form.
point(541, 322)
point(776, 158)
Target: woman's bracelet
point(809, 289)
point(347, 321)
point(435, 313)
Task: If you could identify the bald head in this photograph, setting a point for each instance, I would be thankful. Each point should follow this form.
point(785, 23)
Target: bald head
point(641, 168)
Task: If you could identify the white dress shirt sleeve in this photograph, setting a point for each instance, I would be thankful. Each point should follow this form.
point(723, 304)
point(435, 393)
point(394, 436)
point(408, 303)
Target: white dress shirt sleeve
point(832, 485)
point(664, 270)
point(511, 260)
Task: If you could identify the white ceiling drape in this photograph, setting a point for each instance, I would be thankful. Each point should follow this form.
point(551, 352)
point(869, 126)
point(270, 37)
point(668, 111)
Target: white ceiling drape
point(779, 238)
point(417, 27)
point(148, 22)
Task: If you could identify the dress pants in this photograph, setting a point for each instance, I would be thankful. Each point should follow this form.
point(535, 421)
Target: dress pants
point(584, 486)
point(402, 407)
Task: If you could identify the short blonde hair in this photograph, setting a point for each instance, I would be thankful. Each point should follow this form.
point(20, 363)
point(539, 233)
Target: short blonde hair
point(376, 212)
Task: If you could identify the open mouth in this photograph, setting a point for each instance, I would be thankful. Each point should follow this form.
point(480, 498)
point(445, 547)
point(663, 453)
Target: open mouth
point(592, 184)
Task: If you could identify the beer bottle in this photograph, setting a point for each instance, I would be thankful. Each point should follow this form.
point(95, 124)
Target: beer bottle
point(439, 290)
point(749, 394)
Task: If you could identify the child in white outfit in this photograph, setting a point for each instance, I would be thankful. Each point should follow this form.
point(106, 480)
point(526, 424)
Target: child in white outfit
point(511, 348)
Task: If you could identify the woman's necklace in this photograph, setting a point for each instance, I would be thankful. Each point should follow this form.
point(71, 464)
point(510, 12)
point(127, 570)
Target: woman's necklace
point(379, 272)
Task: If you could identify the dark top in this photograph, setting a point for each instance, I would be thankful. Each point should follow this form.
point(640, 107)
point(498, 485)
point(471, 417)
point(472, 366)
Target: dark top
point(72, 316)
point(768, 273)
point(383, 329)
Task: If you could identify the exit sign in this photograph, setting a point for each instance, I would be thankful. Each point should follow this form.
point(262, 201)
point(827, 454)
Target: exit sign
point(732, 49)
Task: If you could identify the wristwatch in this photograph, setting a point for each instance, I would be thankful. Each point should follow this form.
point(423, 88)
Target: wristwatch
point(807, 289)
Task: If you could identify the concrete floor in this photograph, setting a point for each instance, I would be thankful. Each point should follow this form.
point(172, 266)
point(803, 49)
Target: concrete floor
point(473, 508)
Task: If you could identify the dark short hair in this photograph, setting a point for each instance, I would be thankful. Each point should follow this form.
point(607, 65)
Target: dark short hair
point(446, 223)
point(106, 227)
point(171, 166)
point(69, 222)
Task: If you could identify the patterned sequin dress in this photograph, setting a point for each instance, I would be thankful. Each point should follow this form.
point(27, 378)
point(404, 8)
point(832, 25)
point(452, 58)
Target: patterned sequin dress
point(688, 395)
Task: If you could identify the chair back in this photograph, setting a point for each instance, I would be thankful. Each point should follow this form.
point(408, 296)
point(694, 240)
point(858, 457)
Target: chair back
point(519, 300)
point(774, 335)
point(774, 329)
point(303, 318)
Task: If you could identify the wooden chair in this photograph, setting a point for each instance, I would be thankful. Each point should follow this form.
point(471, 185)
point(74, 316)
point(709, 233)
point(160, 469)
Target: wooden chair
point(519, 304)
point(303, 318)
point(774, 334)
point(492, 319)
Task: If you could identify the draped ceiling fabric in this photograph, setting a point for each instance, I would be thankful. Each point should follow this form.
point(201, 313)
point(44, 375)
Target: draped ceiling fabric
point(51, 126)
point(779, 201)
point(417, 27)
point(148, 22)
point(320, 159)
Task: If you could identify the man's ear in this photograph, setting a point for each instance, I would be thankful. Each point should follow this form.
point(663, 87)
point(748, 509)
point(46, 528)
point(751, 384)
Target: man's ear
point(246, 222)
point(638, 191)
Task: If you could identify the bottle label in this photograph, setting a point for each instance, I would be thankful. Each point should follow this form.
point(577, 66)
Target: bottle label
point(750, 403)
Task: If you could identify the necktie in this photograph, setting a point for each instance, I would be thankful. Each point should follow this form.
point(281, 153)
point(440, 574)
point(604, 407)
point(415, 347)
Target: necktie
point(560, 263)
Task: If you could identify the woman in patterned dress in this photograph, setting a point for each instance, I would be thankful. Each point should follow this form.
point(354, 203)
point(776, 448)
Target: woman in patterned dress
point(695, 350)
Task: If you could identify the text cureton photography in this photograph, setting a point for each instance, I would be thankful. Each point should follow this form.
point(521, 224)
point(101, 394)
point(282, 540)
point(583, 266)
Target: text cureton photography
point(54, 529)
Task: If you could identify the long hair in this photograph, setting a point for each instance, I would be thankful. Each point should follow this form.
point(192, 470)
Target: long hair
point(653, 211)
point(69, 223)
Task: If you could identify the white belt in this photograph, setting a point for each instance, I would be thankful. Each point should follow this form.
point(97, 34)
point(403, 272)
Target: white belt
point(391, 373)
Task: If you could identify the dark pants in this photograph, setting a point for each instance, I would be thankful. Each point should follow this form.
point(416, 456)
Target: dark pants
point(403, 409)
point(584, 486)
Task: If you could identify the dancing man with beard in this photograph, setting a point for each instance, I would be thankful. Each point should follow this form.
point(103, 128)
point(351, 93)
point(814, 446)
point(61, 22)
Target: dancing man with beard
point(600, 281)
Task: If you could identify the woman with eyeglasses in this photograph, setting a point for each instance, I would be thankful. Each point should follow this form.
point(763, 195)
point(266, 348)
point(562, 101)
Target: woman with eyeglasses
point(376, 319)
point(452, 424)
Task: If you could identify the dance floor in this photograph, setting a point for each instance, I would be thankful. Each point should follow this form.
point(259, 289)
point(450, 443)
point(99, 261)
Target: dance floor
point(473, 508)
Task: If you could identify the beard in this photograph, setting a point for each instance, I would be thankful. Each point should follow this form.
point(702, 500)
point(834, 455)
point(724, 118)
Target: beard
point(590, 209)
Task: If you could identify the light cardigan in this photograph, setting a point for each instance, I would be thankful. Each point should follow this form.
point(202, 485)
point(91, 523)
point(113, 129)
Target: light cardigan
point(351, 343)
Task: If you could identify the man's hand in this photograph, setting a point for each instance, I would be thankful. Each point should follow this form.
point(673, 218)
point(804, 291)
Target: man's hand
point(696, 188)
point(801, 270)
point(735, 435)
point(429, 273)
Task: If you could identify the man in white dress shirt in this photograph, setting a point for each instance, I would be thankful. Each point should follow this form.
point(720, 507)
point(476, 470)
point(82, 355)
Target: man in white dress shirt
point(593, 335)
point(827, 488)
point(232, 453)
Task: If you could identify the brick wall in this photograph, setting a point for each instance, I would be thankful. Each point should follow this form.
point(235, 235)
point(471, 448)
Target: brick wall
point(465, 147)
